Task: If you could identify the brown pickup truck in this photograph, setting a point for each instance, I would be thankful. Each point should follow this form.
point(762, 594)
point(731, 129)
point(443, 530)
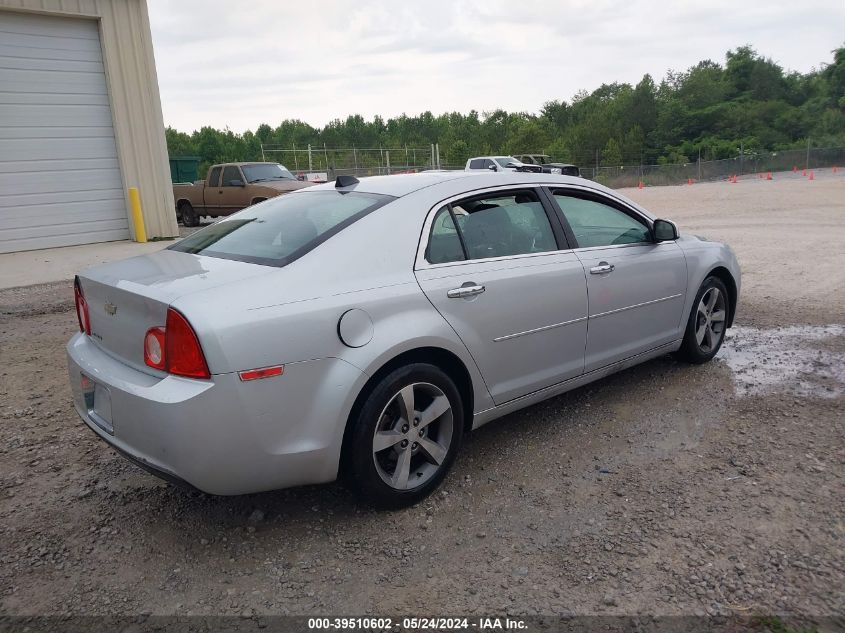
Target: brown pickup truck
point(231, 187)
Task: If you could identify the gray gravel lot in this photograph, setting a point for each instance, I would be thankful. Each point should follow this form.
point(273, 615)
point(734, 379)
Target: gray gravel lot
point(665, 489)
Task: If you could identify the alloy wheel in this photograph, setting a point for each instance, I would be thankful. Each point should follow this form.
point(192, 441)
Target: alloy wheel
point(710, 320)
point(413, 436)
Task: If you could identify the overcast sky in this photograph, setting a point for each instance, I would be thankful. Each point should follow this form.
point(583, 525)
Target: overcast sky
point(239, 64)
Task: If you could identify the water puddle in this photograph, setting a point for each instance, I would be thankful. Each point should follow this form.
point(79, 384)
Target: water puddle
point(804, 360)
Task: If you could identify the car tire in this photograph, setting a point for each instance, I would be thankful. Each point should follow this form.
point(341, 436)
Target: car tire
point(388, 452)
point(707, 323)
point(189, 214)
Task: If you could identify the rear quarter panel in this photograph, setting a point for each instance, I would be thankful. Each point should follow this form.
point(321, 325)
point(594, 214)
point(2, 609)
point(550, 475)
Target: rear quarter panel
point(195, 194)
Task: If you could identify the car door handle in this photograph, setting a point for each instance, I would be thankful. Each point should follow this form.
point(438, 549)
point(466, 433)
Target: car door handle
point(465, 291)
point(602, 268)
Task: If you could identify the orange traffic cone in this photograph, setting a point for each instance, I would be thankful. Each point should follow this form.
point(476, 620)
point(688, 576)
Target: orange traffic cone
point(769, 176)
point(803, 172)
point(641, 185)
point(794, 169)
point(812, 176)
point(835, 168)
point(689, 181)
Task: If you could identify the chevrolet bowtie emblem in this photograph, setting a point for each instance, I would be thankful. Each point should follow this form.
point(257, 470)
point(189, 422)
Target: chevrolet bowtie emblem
point(111, 308)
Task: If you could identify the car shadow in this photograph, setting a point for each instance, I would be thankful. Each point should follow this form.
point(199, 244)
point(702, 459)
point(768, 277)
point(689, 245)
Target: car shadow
point(335, 503)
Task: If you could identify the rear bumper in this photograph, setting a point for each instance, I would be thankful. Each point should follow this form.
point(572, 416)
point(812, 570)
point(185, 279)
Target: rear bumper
point(221, 436)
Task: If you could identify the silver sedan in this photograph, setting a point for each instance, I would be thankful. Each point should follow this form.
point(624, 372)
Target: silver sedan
point(361, 328)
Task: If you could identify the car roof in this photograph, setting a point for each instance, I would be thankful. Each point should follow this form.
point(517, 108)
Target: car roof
point(403, 184)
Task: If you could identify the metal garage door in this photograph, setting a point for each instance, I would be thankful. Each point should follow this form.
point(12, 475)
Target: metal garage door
point(60, 183)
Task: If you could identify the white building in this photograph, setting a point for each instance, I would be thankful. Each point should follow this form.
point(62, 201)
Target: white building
point(80, 123)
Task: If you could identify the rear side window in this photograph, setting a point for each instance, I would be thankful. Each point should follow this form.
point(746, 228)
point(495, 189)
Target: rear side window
point(498, 225)
point(282, 229)
point(444, 245)
point(214, 177)
point(476, 163)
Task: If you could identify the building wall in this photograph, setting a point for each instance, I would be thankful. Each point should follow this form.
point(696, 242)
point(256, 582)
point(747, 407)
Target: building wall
point(133, 90)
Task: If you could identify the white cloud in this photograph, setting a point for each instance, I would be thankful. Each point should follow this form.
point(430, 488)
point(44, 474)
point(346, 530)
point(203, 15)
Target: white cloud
point(245, 63)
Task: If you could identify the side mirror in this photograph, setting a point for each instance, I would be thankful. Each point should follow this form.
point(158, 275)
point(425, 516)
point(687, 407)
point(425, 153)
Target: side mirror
point(664, 231)
point(493, 168)
point(236, 183)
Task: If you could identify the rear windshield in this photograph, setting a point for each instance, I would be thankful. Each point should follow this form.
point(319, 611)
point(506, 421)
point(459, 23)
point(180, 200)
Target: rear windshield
point(280, 230)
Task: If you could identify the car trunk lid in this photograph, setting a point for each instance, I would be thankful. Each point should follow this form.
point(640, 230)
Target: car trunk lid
point(127, 298)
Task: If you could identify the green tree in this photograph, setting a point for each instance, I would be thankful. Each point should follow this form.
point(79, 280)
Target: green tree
point(611, 155)
point(748, 100)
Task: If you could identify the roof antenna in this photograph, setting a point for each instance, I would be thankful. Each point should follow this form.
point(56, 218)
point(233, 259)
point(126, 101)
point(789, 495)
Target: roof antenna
point(345, 181)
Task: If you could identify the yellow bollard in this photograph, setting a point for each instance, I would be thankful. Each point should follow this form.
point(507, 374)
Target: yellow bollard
point(137, 216)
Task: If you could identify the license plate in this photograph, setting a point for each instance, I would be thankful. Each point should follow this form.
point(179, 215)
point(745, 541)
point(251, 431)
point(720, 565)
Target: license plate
point(97, 400)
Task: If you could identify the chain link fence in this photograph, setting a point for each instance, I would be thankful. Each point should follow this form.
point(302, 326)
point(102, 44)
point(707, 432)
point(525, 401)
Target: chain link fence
point(354, 161)
point(711, 170)
point(328, 163)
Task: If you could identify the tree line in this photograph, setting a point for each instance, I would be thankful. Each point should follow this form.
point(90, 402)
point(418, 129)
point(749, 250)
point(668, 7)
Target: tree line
point(714, 110)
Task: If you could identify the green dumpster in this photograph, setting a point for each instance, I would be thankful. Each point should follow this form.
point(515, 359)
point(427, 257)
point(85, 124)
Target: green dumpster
point(184, 168)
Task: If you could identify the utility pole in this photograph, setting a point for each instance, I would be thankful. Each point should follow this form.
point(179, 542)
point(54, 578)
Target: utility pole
point(642, 175)
point(310, 162)
point(741, 157)
point(699, 163)
point(597, 164)
point(387, 160)
point(437, 154)
point(263, 160)
point(807, 165)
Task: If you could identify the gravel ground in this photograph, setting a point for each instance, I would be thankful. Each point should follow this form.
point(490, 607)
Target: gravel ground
point(665, 489)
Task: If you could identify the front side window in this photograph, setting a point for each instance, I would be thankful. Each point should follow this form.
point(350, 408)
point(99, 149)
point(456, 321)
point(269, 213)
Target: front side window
point(504, 161)
point(230, 173)
point(282, 229)
point(498, 225)
point(214, 177)
point(597, 224)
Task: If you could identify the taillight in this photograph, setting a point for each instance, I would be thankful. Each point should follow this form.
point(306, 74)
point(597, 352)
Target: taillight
point(175, 348)
point(182, 349)
point(81, 308)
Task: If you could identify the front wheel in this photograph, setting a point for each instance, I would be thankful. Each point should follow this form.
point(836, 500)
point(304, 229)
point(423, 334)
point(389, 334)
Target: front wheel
point(406, 436)
point(707, 323)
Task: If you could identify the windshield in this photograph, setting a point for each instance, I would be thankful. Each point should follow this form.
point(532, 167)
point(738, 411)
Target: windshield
point(266, 171)
point(282, 229)
point(505, 160)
